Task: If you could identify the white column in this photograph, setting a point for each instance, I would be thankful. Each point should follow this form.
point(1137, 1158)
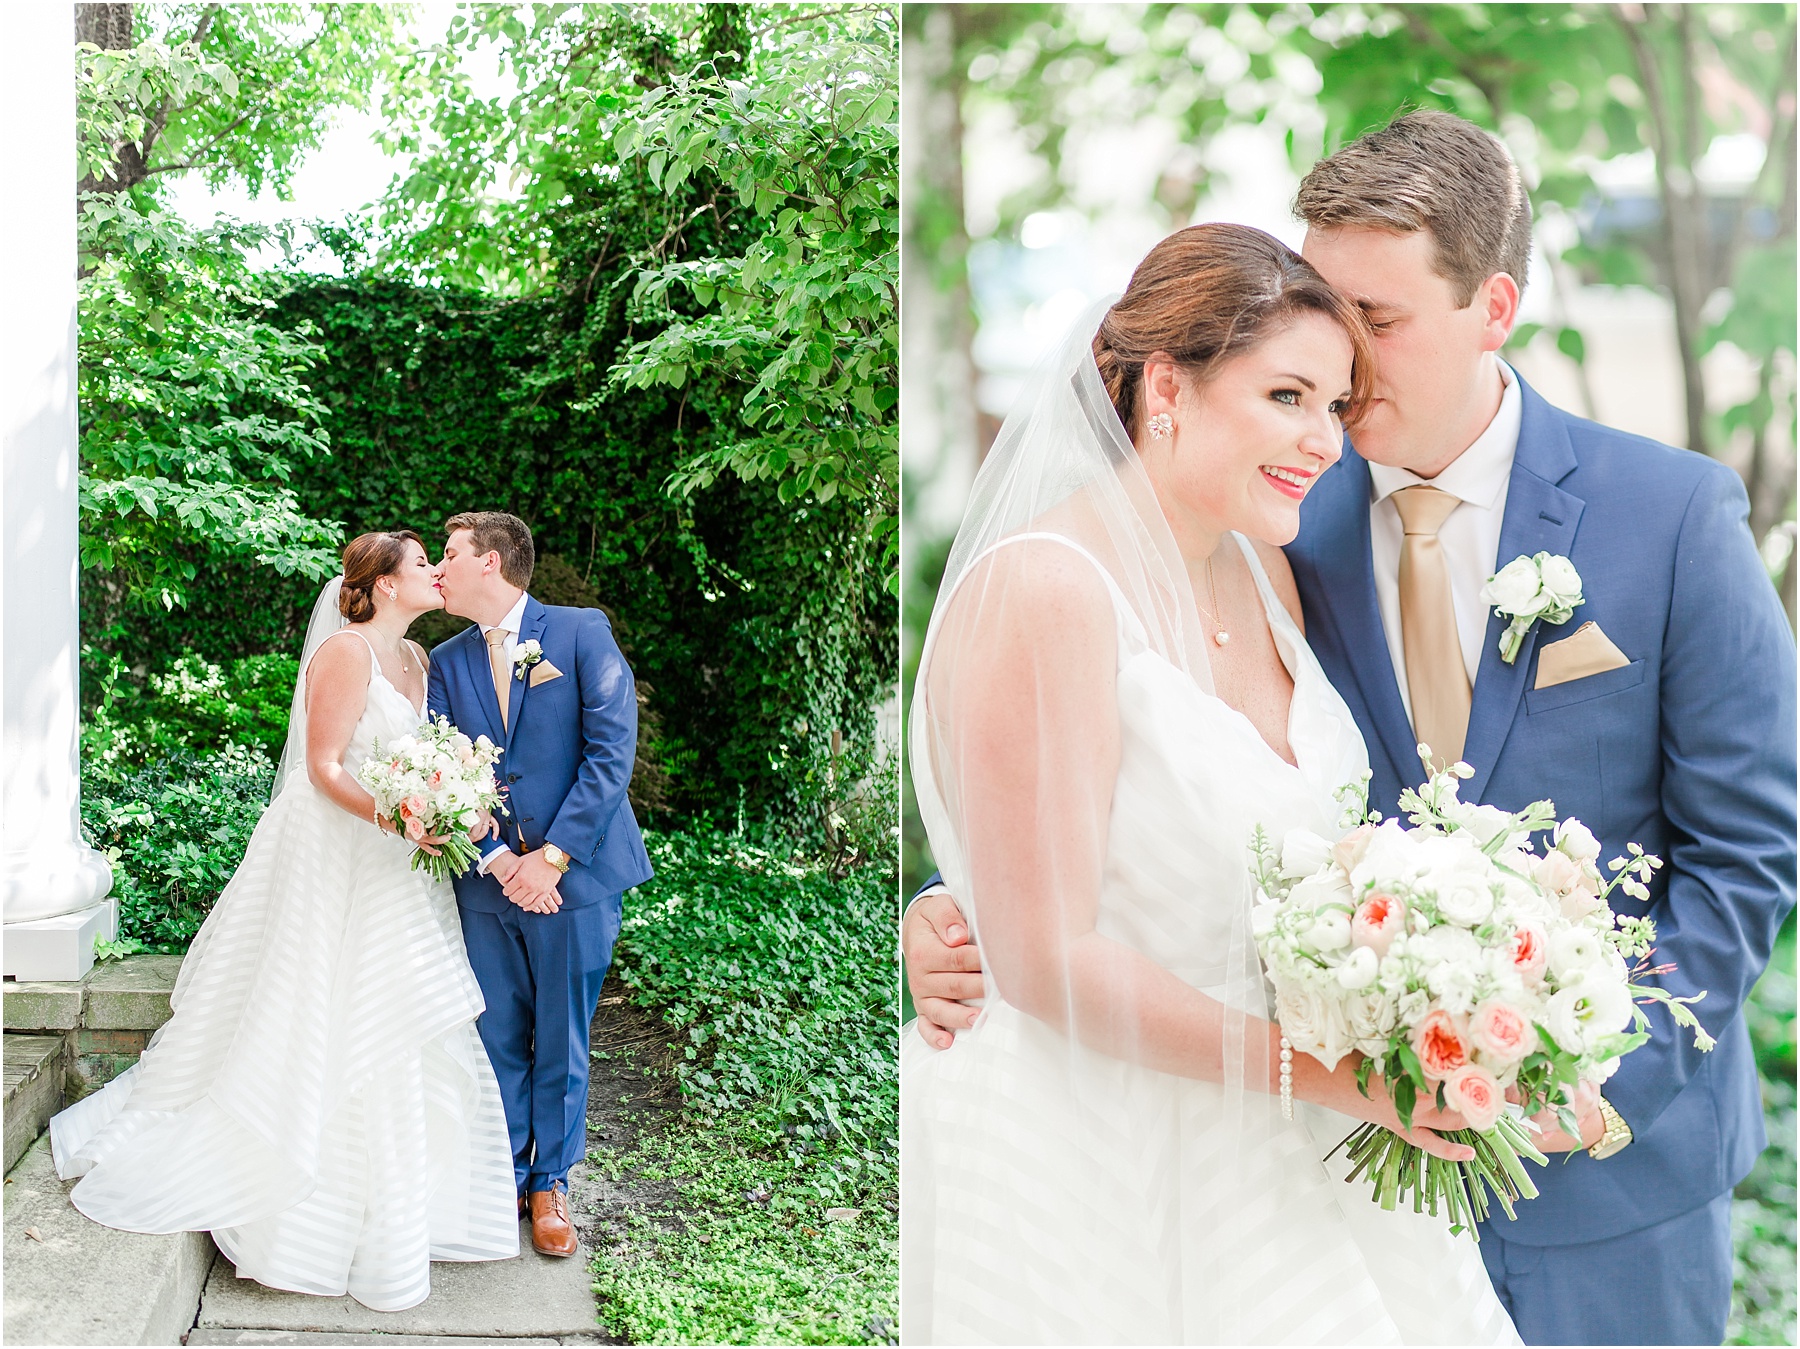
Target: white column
point(48, 873)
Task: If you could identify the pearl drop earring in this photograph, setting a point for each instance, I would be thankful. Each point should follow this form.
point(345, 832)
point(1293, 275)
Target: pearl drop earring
point(1162, 426)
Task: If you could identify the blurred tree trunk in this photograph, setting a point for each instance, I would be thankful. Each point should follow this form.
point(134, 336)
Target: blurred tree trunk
point(937, 423)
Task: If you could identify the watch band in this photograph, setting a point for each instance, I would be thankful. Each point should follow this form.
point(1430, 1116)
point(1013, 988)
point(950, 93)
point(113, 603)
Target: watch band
point(1616, 1137)
point(556, 857)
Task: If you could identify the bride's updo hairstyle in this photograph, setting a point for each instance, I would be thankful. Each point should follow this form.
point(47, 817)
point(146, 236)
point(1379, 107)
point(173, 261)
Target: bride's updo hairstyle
point(368, 558)
point(1209, 293)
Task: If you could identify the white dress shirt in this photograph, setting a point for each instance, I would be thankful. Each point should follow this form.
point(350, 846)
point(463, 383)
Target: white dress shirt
point(514, 620)
point(1470, 536)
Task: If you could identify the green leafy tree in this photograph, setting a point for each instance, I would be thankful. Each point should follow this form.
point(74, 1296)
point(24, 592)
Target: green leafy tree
point(194, 407)
point(762, 272)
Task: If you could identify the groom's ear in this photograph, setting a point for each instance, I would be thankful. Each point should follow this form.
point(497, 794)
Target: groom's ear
point(1498, 300)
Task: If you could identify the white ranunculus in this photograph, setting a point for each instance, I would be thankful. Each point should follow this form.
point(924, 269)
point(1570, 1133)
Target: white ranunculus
point(1359, 969)
point(1466, 898)
point(1515, 588)
point(1303, 853)
point(1577, 840)
point(1314, 1022)
point(1574, 952)
point(1330, 931)
point(1561, 581)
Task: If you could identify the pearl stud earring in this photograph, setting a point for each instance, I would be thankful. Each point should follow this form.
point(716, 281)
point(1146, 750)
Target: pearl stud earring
point(1162, 426)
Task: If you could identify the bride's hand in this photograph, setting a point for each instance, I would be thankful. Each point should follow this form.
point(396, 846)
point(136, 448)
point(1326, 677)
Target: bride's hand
point(1337, 1090)
point(485, 826)
point(433, 843)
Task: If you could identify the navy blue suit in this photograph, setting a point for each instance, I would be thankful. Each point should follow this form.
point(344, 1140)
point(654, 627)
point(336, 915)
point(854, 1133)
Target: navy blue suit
point(569, 746)
point(1688, 750)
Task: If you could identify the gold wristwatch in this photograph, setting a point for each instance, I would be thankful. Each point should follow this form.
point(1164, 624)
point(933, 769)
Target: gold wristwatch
point(559, 859)
point(1616, 1137)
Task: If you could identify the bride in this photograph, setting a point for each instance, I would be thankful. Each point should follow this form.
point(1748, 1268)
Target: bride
point(320, 1100)
point(1114, 691)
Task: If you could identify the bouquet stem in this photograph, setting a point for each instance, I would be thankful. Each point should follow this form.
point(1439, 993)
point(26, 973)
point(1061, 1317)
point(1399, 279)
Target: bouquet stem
point(453, 858)
point(1398, 1169)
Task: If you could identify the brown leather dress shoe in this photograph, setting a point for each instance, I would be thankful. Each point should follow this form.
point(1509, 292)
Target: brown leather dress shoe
point(551, 1231)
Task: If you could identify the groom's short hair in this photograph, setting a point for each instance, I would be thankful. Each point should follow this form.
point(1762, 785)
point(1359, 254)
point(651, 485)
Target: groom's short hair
point(498, 532)
point(1434, 171)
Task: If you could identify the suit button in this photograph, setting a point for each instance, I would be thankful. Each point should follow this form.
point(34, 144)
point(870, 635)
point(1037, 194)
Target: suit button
point(512, 777)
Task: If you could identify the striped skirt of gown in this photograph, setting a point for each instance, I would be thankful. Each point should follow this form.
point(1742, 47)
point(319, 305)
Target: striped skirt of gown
point(320, 1100)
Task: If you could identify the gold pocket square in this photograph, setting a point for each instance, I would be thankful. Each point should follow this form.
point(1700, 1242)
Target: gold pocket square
point(1588, 652)
point(543, 672)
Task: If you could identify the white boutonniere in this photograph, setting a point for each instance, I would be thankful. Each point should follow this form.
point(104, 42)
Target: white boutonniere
point(525, 656)
point(1544, 586)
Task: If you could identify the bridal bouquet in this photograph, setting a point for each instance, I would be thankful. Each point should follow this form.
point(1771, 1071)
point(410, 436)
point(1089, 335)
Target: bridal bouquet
point(1464, 964)
point(434, 782)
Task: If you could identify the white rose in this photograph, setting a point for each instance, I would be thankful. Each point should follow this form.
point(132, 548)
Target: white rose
point(1303, 853)
point(1315, 1023)
point(1561, 581)
point(1577, 840)
point(1449, 945)
point(1359, 970)
point(1515, 588)
point(1371, 1017)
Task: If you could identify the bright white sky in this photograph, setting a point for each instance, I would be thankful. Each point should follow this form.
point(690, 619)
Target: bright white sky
point(348, 172)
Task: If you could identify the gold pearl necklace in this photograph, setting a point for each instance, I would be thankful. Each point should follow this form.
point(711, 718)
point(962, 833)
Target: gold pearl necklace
point(1220, 636)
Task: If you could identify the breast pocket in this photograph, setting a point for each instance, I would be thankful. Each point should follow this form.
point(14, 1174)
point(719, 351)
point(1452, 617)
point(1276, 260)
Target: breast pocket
point(1602, 685)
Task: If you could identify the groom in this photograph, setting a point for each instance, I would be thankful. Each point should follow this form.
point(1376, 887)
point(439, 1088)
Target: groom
point(1662, 714)
point(541, 910)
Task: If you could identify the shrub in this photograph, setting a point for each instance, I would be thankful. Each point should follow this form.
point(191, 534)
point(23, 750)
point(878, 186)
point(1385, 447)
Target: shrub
point(175, 829)
point(779, 975)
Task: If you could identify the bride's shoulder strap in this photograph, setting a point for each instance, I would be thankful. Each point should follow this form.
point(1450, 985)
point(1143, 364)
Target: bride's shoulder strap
point(1131, 626)
point(374, 661)
point(424, 660)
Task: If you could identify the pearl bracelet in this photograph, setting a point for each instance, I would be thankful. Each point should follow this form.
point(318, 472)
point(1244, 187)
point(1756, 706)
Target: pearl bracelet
point(1287, 1079)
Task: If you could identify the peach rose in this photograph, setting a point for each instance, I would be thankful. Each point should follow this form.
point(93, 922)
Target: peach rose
point(1378, 920)
point(1441, 1044)
point(415, 805)
point(1557, 873)
point(1472, 1092)
point(1530, 949)
point(415, 829)
point(1348, 851)
point(1500, 1029)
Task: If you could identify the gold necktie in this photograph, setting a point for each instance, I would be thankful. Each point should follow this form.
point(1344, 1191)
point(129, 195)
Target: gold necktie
point(496, 644)
point(1436, 678)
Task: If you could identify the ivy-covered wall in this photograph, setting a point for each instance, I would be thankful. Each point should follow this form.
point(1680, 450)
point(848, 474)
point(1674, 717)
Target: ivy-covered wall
point(757, 626)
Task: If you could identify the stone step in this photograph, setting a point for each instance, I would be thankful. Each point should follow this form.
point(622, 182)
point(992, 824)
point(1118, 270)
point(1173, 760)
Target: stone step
point(71, 1281)
point(34, 1089)
point(334, 1337)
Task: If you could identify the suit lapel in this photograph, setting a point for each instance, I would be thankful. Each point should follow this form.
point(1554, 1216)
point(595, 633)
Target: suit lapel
point(531, 629)
point(1540, 518)
point(1348, 577)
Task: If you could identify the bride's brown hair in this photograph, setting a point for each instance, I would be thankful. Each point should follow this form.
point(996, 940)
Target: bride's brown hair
point(368, 558)
point(1211, 292)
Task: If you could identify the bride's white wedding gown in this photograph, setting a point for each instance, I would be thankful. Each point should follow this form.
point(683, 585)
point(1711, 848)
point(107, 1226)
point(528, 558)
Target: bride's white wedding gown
point(1054, 1195)
point(320, 1100)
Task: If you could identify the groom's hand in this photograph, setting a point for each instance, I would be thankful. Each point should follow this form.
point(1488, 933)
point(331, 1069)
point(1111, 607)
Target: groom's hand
point(943, 967)
point(532, 885)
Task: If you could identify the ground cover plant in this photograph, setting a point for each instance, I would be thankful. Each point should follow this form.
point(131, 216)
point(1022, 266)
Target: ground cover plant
point(1763, 1298)
point(774, 975)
